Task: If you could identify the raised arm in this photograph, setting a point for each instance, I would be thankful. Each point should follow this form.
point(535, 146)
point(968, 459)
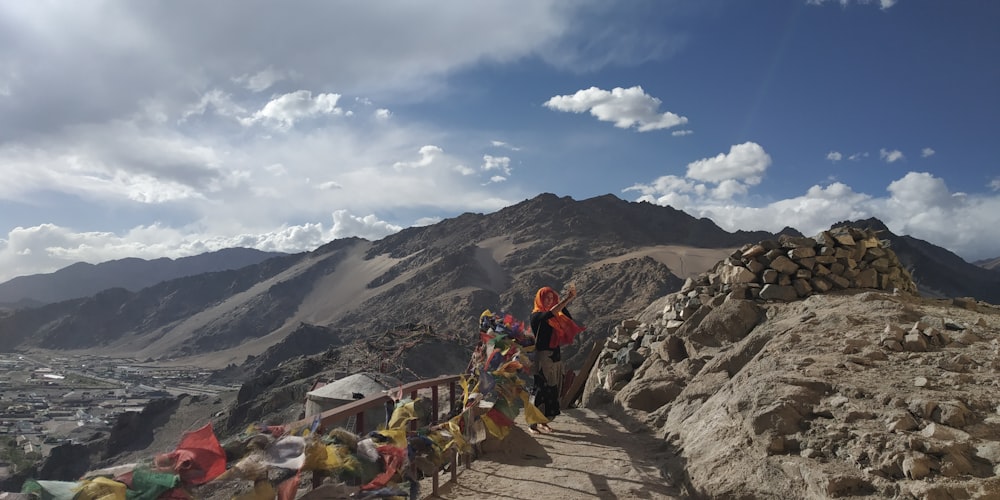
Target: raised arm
point(570, 295)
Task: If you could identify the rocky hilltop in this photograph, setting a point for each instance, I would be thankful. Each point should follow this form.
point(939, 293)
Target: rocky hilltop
point(809, 368)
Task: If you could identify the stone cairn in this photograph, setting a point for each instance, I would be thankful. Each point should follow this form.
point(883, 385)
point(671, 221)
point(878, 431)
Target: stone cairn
point(781, 270)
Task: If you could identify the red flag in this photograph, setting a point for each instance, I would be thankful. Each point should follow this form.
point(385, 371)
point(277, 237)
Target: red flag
point(198, 459)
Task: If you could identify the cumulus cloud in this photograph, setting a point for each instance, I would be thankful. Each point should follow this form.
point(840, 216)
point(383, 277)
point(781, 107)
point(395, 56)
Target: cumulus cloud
point(924, 153)
point(882, 4)
point(834, 156)
point(745, 163)
point(890, 156)
point(427, 155)
point(995, 184)
point(710, 180)
point(623, 107)
point(48, 247)
point(919, 204)
point(501, 163)
point(286, 109)
point(857, 156)
point(681, 133)
point(368, 226)
point(198, 120)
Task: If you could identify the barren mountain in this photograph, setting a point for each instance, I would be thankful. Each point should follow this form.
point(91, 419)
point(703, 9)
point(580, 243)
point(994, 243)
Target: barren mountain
point(991, 264)
point(83, 279)
point(774, 366)
point(442, 276)
point(438, 278)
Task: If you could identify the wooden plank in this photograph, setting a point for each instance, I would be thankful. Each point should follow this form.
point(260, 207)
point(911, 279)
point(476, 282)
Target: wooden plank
point(576, 390)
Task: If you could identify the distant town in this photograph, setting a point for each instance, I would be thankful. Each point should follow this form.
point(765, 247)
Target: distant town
point(47, 402)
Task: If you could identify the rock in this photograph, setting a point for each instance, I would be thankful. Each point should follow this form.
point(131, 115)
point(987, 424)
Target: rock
point(736, 274)
point(648, 393)
point(784, 265)
point(916, 465)
point(943, 433)
point(904, 422)
point(952, 413)
point(778, 292)
point(730, 322)
point(915, 342)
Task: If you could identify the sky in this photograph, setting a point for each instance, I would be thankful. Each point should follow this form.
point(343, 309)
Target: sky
point(169, 128)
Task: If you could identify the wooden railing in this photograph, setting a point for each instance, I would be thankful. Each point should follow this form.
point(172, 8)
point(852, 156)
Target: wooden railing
point(357, 409)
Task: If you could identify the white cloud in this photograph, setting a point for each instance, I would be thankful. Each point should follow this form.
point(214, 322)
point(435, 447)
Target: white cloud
point(383, 114)
point(47, 247)
point(681, 133)
point(217, 101)
point(369, 226)
point(286, 109)
point(623, 107)
point(834, 156)
point(882, 4)
point(728, 189)
point(924, 153)
point(502, 144)
point(426, 221)
point(890, 156)
point(857, 156)
point(914, 191)
point(260, 81)
point(995, 184)
point(732, 174)
point(501, 163)
point(918, 204)
point(427, 155)
point(745, 162)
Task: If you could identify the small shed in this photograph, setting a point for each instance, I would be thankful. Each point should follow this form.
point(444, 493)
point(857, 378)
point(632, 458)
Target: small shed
point(348, 389)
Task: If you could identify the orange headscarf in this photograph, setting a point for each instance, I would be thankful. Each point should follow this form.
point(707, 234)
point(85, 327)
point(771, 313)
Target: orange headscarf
point(564, 329)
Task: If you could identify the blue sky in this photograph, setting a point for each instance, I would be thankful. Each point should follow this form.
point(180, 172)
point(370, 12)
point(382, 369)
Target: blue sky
point(171, 128)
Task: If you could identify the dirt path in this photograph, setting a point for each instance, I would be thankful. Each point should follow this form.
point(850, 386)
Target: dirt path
point(588, 456)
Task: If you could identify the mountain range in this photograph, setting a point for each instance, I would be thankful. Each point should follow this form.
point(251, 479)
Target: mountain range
point(83, 279)
point(409, 305)
point(252, 311)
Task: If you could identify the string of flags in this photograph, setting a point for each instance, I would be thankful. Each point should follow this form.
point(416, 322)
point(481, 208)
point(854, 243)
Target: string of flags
point(270, 462)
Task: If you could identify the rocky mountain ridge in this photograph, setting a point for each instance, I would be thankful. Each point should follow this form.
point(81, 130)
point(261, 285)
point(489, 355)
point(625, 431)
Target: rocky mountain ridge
point(737, 390)
point(440, 275)
point(803, 390)
point(624, 254)
point(83, 280)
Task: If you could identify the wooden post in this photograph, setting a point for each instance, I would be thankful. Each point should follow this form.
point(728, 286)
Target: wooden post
point(580, 380)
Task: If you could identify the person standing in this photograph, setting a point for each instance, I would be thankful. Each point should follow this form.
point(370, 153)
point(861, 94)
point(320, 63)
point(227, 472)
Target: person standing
point(554, 327)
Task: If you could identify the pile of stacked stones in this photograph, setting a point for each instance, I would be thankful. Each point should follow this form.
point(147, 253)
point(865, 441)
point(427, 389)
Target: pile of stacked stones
point(792, 267)
point(786, 269)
